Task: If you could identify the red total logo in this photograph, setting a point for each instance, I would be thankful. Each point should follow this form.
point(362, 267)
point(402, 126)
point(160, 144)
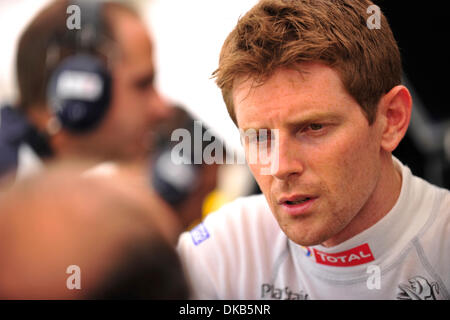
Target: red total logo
point(353, 257)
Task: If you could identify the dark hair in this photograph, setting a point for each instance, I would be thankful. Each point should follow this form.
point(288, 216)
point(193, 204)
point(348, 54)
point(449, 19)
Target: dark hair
point(149, 269)
point(284, 33)
point(181, 119)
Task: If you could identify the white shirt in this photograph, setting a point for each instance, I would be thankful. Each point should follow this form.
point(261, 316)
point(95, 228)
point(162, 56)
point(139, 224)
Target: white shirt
point(240, 252)
point(29, 162)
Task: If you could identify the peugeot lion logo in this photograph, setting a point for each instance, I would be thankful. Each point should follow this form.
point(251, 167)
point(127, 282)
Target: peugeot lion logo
point(418, 289)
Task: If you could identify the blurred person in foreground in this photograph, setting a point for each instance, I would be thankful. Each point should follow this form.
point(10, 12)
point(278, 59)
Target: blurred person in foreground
point(340, 217)
point(120, 241)
point(31, 133)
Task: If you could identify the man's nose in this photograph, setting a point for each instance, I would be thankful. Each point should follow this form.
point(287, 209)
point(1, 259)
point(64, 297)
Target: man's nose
point(289, 159)
point(158, 107)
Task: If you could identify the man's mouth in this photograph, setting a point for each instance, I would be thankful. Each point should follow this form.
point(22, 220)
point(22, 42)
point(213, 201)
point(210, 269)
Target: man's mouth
point(297, 201)
point(297, 204)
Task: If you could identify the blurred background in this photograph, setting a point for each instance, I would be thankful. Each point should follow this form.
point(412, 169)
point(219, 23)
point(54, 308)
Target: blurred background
point(421, 29)
point(188, 36)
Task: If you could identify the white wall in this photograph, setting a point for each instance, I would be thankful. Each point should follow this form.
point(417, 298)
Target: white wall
point(189, 36)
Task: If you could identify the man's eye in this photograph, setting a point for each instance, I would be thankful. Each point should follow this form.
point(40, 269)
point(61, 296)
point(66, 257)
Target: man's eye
point(265, 136)
point(143, 85)
point(313, 129)
point(315, 126)
point(145, 82)
point(261, 137)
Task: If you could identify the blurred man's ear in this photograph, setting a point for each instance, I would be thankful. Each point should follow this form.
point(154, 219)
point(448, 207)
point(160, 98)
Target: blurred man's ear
point(394, 114)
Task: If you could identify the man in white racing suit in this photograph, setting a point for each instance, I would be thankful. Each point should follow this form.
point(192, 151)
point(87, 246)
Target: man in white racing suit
point(319, 82)
point(239, 252)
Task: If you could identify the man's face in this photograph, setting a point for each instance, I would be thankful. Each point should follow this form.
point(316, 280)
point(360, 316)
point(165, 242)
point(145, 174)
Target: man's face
point(329, 156)
point(136, 108)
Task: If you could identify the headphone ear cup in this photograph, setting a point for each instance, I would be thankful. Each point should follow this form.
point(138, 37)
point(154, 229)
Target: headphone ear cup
point(79, 92)
point(173, 182)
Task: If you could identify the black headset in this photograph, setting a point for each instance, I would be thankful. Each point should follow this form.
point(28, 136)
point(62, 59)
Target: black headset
point(173, 182)
point(176, 182)
point(79, 89)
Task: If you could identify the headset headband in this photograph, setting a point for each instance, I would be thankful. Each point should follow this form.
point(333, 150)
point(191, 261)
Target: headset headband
point(91, 23)
point(79, 88)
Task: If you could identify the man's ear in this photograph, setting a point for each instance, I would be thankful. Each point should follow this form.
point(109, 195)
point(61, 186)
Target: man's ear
point(43, 120)
point(394, 109)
